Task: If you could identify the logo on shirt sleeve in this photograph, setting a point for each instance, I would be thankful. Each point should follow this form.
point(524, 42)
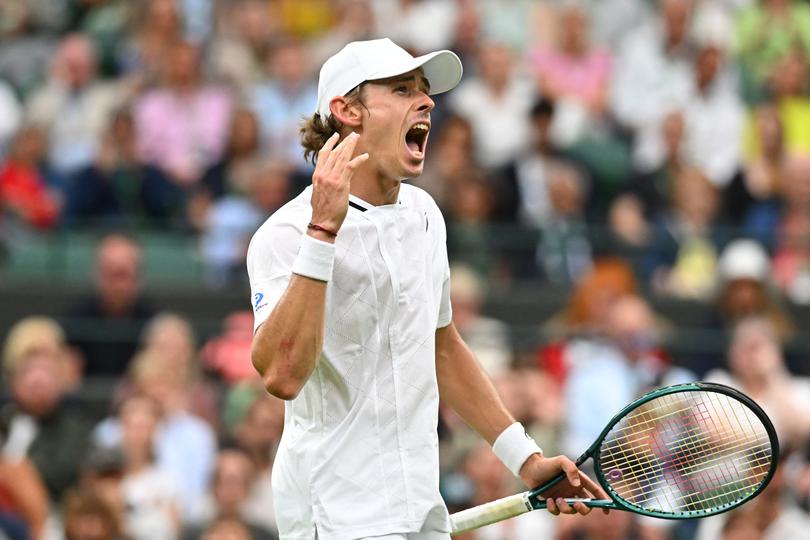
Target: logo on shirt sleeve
point(257, 298)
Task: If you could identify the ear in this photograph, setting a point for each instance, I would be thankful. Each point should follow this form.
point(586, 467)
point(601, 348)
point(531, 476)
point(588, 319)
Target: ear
point(347, 112)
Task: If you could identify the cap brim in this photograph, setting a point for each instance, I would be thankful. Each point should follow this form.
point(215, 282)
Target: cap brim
point(443, 70)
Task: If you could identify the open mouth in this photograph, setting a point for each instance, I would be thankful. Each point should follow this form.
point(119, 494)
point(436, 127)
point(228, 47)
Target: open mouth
point(416, 138)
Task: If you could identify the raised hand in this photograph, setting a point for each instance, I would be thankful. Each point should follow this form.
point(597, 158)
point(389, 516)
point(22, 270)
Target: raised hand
point(331, 182)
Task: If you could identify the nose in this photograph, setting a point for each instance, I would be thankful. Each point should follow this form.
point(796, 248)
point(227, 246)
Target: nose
point(425, 104)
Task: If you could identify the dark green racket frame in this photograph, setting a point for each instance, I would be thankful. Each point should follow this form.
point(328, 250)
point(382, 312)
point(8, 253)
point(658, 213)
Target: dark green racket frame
point(538, 501)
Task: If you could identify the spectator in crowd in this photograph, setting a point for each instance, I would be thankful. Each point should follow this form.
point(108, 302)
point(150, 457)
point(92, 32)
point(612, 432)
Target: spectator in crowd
point(417, 25)
point(585, 314)
point(231, 220)
point(627, 362)
point(117, 188)
point(184, 445)
point(229, 174)
point(469, 237)
point(284, 99)
point(181, 126)
point(10, 115)
point(156, 26)
point(28, 45)
point(527, 176)
point(237, 52)
point(117, 308)
point(355, 21)
point(773, 514)
point(787, 87)
point(101, 473)
point(455, 156)
point(653, 66)
point(756, 366)
point(573, 74)
point(228, 354)
point(487, 337)
point(712, 111)
point(257, 434)
point(40, 422)
point(564, 253)
point(25, 196)
point(653, 185)
point(764, 154)
point(682, 257)
point(744, 290)
point(227, 528)
point(496, 101)
point(151, 497)
point(74, 106)
point(785, 224)
point(24, 500)
point(766, 32)
point(171, 337)
point(88, 516)
point(232, 485)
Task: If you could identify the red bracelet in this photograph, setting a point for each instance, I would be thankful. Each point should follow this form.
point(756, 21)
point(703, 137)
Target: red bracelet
point(316, 227)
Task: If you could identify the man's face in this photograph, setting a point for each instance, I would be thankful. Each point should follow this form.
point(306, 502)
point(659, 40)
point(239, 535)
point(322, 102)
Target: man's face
point(396, 124)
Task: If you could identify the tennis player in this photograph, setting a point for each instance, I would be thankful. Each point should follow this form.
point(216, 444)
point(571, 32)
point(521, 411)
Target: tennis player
point(350, 290)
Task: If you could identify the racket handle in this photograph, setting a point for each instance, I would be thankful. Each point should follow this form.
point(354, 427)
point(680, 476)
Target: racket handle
point(491, 512)
point(591, 503)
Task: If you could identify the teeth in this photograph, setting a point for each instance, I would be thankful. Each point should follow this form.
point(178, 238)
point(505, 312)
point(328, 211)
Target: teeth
point(420, 127)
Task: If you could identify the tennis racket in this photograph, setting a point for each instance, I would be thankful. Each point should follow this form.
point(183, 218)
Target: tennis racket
point(679, 452)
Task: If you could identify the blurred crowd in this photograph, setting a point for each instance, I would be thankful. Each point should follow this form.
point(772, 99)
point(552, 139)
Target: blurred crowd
point(614, 150)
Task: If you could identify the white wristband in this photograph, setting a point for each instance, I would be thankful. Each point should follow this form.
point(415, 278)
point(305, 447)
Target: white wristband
point(315, 259)
point(514, 446)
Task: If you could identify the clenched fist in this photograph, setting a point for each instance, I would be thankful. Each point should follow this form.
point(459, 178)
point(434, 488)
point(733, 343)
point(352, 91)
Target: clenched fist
point(331, 181)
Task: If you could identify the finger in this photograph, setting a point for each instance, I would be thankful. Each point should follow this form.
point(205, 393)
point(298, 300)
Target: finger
point(345, 152)
point(564, 507)
point(596, 489)
point(339, 150)
point(551, 507)
point(582, 509)
point(570, 470)
point(326, 149)
point(353, 165)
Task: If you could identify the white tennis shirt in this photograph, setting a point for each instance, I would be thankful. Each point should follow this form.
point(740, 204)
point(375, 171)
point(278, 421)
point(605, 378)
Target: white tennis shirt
point(359, 454)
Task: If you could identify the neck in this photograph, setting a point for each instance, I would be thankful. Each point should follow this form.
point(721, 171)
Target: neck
point(374, 188)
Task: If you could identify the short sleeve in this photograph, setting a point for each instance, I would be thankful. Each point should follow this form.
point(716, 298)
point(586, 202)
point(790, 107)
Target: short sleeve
point(270, 257)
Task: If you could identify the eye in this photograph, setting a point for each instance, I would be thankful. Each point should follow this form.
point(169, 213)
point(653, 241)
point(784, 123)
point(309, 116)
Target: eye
point(402, 89)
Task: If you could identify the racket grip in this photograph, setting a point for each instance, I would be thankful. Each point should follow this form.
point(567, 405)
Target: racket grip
point(591, 503)
point(491, 512)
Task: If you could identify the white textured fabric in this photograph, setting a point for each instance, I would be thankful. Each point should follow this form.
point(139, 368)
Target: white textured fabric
point(514, 446)
point(359, 454)
point(315, 259)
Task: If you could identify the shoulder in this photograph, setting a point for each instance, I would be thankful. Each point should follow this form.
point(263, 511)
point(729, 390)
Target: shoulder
point(418, 198)
point(421, 201)
point(287, 222)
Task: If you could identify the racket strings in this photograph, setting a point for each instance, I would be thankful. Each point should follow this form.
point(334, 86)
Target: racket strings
point(686, 452)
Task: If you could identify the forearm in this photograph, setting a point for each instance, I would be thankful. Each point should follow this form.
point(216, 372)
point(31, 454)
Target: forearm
point(465, 386)
point(287, 345)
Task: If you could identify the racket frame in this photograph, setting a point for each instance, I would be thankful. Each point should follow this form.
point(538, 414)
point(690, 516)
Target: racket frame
point(537, 501)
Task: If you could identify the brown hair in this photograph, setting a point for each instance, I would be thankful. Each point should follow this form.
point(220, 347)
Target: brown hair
point(611, 277)
point(82, 502)
point(315, 131)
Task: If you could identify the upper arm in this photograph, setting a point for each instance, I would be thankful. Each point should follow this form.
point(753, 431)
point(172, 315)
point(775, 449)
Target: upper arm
point(270, 257)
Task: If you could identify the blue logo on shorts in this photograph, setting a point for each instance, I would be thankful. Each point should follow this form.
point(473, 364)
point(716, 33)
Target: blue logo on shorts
point(256, 299)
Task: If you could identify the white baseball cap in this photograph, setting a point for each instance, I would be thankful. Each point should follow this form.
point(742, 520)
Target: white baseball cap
point(361, 61)
point(744, 259)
